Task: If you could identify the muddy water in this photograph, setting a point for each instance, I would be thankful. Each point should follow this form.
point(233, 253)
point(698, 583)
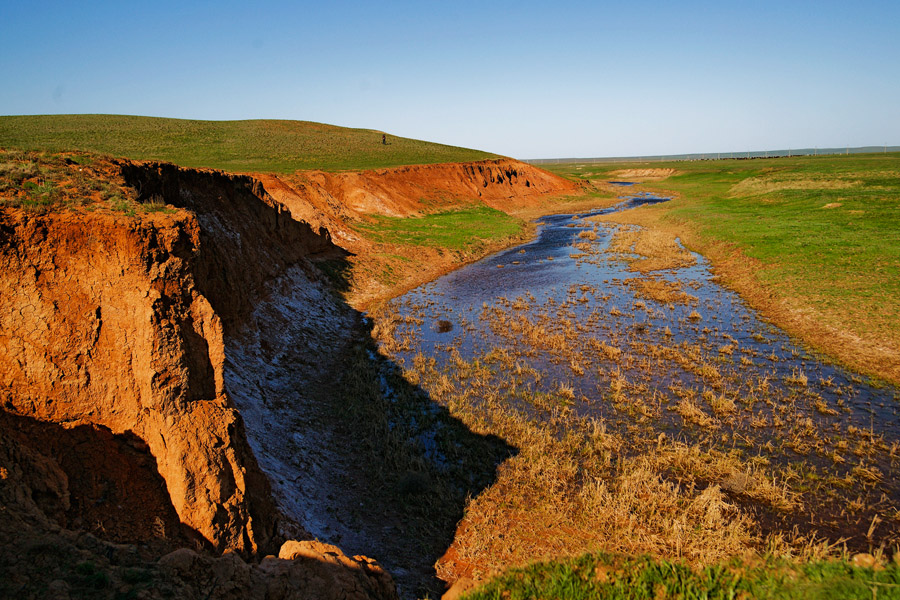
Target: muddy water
point(702, 368)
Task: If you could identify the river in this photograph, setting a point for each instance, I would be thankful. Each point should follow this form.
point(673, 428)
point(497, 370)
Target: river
point(568, 327)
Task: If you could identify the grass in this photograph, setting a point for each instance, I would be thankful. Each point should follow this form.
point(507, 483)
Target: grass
point(453, 230)
point(243, 146)
point(812, 241)
point(43, 181)
point(409, 251)
point(617, 577)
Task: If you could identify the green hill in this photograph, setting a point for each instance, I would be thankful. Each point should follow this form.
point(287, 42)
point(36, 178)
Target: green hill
point(257, 145)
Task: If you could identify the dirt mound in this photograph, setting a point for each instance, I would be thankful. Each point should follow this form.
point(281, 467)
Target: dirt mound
point(642, 174)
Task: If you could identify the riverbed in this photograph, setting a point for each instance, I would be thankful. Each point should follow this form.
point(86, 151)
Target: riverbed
point(570, 329)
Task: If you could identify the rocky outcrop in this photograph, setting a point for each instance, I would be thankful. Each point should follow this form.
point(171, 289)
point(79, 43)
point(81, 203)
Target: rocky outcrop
point(302, 571)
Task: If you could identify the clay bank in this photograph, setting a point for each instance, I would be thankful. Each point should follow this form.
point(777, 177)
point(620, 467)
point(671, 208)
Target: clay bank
point(164, 376)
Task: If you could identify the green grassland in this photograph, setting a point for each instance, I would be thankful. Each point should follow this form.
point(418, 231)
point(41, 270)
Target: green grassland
point(619, 578)
point(240, 146)
point(823, 230)
point(453, 230)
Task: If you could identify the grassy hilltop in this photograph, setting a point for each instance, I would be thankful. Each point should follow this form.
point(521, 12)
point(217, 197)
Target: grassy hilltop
point(257, 145)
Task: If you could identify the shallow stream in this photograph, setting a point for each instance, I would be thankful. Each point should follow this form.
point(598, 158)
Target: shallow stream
point(663, 353)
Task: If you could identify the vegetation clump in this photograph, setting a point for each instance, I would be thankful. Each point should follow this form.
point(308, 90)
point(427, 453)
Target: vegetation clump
point(40, 181)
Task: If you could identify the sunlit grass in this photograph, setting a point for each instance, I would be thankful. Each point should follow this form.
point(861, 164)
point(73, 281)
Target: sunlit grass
point(455, 230)
point(617, 577)
point(253, 145)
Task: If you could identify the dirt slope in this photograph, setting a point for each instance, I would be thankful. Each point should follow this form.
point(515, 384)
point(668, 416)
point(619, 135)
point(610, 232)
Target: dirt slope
point(334, 200)
point(106, 322)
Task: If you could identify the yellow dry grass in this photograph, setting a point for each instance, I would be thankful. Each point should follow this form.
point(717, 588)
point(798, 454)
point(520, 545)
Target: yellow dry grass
point(753, 186)
point(643, 174)
point(547, 503)
point(660, 290)
point(655, 250)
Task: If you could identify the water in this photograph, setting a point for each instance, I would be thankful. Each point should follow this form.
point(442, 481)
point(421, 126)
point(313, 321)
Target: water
point(702, 367)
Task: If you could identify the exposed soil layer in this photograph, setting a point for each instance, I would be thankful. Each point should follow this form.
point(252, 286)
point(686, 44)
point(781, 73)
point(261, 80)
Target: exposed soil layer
point(142, 338)
point(103, 483)
point(335, 200)
point(106, 322)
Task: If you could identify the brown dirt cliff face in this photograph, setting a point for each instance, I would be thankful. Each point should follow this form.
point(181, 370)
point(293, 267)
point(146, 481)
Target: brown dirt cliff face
point(120, 321)
point(332, 200)
point(127, 341)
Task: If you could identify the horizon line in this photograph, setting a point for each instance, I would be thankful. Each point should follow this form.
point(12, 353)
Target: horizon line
point(735, 155)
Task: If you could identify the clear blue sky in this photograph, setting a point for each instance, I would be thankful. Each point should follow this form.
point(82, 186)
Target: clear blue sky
point(526, 79)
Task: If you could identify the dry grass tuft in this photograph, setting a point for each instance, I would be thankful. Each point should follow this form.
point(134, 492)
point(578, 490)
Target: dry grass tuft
point(728, 471)
point(692, 412)
point(797, 377)
point(656, 250)
point(754, 186)
point(660, 290)
point(720, 404)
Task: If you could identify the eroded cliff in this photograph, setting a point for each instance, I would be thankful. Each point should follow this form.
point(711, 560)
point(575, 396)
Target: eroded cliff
point(153, 365)
point(335, 200)
point(106, 326)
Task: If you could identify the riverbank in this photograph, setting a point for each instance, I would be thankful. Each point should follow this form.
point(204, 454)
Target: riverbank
point(651, 412)
point(810, 242)
point(394, 255)
point(243, 330)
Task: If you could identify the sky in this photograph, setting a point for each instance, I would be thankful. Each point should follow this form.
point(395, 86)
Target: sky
point(528, 79)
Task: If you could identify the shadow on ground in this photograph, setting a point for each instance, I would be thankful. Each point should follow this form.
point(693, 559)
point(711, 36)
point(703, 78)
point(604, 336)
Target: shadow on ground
point(408, 466)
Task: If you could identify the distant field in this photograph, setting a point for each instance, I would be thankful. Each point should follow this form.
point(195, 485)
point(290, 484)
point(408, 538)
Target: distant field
point(257, 145)
point(822, 233)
